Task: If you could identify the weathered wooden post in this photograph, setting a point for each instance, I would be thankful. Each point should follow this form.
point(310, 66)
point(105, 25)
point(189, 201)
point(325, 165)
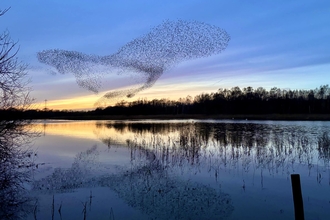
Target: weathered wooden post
point(297, 197)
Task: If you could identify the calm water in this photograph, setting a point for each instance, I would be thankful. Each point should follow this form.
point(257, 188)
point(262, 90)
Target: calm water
point(179, 169)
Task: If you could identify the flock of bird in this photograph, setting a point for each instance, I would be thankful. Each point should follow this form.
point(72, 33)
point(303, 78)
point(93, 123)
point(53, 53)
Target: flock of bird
point(147, 57)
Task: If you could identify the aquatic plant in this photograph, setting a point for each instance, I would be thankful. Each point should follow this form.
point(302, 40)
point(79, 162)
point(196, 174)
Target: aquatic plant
point(265, 149)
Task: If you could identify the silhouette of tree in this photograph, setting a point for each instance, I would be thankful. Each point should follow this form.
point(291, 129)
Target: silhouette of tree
point(16, 159)
point(14, 92)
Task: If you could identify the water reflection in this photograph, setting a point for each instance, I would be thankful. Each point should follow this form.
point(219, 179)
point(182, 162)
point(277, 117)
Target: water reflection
point(147, 186)
point(79, 175)
point(191, 170)
point(16, 167)
point(152, 185)
point(250, 147)
point(158, 194)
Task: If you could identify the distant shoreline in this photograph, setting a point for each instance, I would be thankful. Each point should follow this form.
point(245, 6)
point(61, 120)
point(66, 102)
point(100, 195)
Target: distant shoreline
point(275, 117)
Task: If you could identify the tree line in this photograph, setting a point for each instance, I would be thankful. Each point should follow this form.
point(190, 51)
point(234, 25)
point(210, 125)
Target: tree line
point(234, 101)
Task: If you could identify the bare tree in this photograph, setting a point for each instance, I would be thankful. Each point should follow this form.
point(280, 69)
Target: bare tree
point(14, 90)
point(16, 158)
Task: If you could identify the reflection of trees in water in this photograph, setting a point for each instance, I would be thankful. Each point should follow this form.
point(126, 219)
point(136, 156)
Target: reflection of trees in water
point(324, 153)
point(16, 165)
point(140, 128)
point(135, 128)
point(324, 148)
point(271, 148)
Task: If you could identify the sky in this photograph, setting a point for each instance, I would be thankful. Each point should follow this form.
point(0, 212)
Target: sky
point(284, 44)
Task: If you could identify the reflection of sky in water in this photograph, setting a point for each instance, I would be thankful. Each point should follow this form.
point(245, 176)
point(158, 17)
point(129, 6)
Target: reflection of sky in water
point(59, 151)
point(240, 157)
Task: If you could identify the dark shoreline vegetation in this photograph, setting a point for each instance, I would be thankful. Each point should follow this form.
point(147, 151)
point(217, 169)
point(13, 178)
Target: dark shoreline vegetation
point(235, 103)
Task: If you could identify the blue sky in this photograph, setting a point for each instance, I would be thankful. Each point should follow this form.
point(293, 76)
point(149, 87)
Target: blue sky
point(282, 44)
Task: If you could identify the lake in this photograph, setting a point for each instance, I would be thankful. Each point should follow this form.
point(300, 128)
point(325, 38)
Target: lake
point(178, 169)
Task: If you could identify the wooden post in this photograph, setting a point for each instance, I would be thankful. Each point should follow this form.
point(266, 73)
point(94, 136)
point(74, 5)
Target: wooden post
point(297, 197)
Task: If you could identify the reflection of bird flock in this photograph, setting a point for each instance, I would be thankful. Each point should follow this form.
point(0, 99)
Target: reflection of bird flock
point(161, 197)
point(149, 187)
point(149, 56)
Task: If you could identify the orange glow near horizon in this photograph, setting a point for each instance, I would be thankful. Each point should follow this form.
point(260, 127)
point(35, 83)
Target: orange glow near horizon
point(160, 92)
point(76, 103)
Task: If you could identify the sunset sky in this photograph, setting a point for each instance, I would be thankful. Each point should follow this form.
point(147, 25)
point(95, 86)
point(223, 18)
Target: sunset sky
point(283, 44)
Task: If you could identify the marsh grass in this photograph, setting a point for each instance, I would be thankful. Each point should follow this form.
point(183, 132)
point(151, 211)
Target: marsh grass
point(35, 210)
point(112, 214)
point(324, 154)
point(53, 207)
point(60, 210)
point(84, 211)
point(249, 149)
